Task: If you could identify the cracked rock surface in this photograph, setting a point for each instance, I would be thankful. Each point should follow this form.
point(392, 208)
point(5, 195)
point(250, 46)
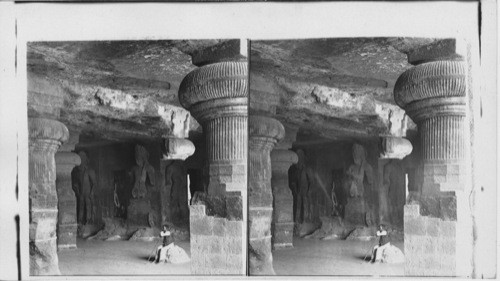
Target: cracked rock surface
point(113, 89)
point(337, 88)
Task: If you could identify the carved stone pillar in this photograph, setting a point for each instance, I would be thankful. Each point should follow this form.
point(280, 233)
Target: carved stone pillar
point(264, 133)
point(67, 218)
point(434, 96)
point(45, 137)
point(281, 160)
point(217, 96)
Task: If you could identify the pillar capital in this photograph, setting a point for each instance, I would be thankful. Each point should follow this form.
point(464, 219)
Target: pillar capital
point(432, 89)
point(177, 148)
point(50, 131)
point(265, 130)
point(216, 90)
point(395, 148)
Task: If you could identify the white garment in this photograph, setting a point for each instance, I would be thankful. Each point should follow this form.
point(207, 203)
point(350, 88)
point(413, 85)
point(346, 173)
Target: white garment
point(379, 251)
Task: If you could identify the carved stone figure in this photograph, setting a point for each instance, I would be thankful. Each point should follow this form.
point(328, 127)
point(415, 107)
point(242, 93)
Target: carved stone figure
point(176, 183)
point(357, 172)
point(84, 184)
point(143, 173)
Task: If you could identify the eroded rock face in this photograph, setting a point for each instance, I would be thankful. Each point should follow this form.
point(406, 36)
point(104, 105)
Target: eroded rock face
point(335, 88)
point(121, 89)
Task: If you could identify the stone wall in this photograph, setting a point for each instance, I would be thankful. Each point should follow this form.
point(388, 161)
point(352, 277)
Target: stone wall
point(431, 244)
point(216, 243)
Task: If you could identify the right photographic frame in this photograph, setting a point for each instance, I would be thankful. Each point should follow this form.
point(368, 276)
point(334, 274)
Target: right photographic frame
point(360, 157)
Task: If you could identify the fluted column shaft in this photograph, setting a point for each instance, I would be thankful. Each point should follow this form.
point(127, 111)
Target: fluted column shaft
point(45, 137)
point(282, 226)
point(264, 133)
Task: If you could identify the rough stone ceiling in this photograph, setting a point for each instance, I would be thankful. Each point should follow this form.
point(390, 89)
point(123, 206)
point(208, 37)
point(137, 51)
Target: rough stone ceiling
point(337, 88)
point(116, 90)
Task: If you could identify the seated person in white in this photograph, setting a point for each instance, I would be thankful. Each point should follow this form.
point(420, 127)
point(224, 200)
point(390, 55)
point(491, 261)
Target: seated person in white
point(168, 242)
point(383, 242)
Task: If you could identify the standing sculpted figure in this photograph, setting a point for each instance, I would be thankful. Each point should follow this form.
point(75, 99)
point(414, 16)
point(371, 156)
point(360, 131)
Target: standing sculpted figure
point(358, 209)
point(84, 184)
point(142, 173)
point(357, 171)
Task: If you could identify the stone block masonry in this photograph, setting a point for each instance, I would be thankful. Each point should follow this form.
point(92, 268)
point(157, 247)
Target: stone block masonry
point(430, 244)
point(216, 244)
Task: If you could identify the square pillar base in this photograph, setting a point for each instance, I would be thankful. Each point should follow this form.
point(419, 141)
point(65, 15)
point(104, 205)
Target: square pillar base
point(216, 244)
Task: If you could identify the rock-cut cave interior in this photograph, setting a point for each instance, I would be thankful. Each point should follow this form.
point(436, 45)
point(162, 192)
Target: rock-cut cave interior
point(338, 136)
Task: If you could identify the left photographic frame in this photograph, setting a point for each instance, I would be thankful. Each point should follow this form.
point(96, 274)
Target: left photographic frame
point(137, 151)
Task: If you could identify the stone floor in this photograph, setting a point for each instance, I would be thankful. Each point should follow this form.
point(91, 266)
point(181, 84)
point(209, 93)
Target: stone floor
point(308, 257)
point(117, 258)
point(332, 257)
